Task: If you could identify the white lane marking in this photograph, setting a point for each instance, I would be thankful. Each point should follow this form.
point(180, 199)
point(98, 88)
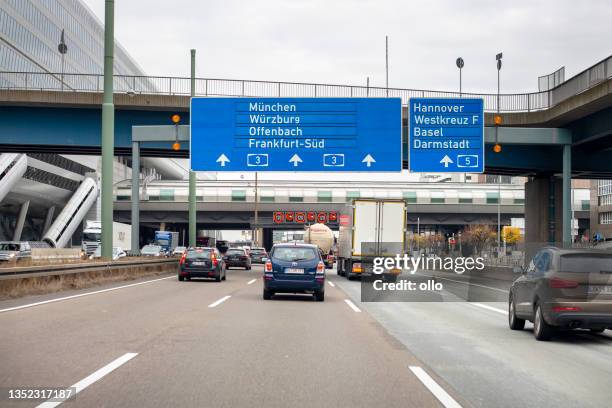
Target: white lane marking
point(81, 295)
point(433, 387)
point(331, 284)
point(494, 309)
point(251, 281)
point(468, 283)
point(352, 305)
point(218, 302)
point(92, 378)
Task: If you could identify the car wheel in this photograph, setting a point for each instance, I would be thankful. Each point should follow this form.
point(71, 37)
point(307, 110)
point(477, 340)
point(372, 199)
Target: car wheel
point(319, 296)
point(541, 330)
point(218, 277)
point(267, 295)
point(248, 267)
point(514, 322)
point(181, 278)
point(188, 277)
point(224, 275)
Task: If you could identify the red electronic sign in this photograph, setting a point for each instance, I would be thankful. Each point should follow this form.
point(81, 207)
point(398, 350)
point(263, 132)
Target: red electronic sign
point(300, 217)
point(311, 216)
point(278, 217)
point(322, 217)
point(289, 216)
point(333, 217)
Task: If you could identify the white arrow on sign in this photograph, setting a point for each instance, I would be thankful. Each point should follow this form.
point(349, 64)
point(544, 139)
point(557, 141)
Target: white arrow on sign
point(222, 160)
point(368, 160)
point(295, 159)
point(446, 160)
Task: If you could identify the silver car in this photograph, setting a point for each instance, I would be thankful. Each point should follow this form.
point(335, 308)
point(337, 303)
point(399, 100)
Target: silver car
point(13, 251)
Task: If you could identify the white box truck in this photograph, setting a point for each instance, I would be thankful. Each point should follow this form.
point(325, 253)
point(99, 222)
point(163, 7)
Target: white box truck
point(122, 236)
point(369, 229)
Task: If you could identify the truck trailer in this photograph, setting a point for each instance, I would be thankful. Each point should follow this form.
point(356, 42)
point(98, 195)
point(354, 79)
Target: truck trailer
point(370, 229)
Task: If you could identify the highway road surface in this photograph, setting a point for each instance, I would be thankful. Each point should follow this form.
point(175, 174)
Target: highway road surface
point(158, 342)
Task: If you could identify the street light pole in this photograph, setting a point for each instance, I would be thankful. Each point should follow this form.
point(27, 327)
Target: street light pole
point(63, 49)
point(460, 64)
point(387, 63)
point(108, 132)
point(498, 57)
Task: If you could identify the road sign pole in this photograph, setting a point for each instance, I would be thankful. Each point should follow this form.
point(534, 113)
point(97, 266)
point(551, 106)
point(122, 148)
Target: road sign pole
point(135, 197)
point(192, 174)
point(108, 133)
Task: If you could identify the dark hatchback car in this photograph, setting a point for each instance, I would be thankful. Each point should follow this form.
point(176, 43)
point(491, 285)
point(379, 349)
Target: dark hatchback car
point(294, 268)
point(258, 255)
point(563, 289)
point(237, 257)
point(202, 263)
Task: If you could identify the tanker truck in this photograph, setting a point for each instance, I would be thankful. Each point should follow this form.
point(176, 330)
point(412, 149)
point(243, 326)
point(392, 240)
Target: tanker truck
point(322, 236)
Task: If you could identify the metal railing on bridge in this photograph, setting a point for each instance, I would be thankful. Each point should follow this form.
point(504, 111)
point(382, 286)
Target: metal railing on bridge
point(158, 85)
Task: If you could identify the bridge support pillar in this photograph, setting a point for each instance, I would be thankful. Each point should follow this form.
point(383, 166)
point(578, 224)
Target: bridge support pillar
point(48, 219)
point(567, 195)
point(547, 213)
point(23, 212)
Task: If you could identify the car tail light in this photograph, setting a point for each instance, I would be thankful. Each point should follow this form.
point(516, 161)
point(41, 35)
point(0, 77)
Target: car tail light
point(330, 257)
point(565, 309)
point(215, 261)
point(558, 283)
point(320, 268)
point(182, 261)
point(357, 268)
point(268, 267)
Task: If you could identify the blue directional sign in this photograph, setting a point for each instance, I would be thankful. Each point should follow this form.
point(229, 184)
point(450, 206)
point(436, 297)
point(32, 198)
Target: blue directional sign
point(446, 135)
point(296, 134)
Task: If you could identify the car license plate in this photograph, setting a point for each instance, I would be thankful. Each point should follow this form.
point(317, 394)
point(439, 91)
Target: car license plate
point(293, 270)
point(600, 289)
point(197, 263)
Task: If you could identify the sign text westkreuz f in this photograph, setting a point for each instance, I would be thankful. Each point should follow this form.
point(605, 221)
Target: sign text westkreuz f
point(296, 134)
point(446, 135)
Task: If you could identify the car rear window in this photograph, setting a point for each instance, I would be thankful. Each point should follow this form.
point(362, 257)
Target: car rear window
point(258, 251)
point(235, 251)
point(198, 253)
point(586, 263)
point(292, 254)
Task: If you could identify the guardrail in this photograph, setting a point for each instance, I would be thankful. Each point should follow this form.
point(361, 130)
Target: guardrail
point(51, 270)
point(158, 85)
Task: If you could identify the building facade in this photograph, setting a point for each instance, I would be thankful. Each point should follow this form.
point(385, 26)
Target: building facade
point(30, 38)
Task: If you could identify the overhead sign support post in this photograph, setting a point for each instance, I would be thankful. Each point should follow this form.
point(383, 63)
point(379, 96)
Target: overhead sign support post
point(446, 135)
point(296, 134)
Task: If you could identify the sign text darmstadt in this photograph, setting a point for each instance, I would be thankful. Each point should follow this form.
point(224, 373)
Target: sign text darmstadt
point(446, 135)
point(296, 134)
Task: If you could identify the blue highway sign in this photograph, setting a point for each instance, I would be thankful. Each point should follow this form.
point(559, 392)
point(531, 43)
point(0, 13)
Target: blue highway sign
point(296, 134)
point(446, 135)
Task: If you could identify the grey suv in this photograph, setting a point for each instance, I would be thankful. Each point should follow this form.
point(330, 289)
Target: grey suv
point(563, 289)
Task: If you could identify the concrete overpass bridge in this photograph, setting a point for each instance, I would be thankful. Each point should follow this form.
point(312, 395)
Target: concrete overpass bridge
point(566, 130)
point(38, 115)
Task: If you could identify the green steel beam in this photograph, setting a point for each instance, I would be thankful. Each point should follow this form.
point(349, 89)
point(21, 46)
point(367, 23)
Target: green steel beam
point(192, 174)
point(108, 133)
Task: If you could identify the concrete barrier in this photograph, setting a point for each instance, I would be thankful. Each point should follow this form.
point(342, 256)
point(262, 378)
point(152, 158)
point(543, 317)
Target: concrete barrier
point(21, 281)
point(55, 254)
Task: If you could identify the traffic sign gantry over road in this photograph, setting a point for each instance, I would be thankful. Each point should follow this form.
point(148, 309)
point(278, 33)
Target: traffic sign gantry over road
point(296, 134)
point(446, 135)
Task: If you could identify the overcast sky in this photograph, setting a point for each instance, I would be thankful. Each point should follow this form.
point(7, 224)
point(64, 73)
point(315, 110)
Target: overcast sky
point(343, 41)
